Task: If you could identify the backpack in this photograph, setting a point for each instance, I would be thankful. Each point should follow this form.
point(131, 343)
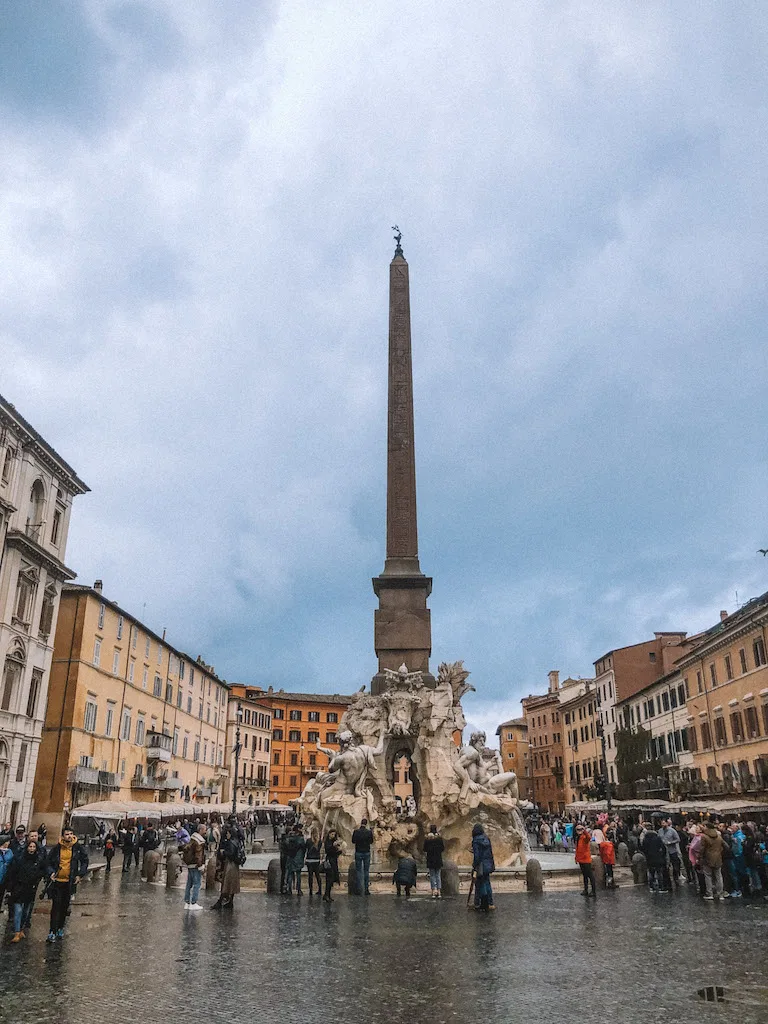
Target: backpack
point(241, 854)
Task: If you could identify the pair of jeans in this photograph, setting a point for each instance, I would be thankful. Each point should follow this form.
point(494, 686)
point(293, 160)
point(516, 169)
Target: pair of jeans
point(61, 895)
point(713, 880)
point(290, 874)
point(434, 879)
point(657, 878)
point(588, 876)
point(363, 868)
point(675, 864)
point(22, 912)
point(194, 881)
point(483, 892)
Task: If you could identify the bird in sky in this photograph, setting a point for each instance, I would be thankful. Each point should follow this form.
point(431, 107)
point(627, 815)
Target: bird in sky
point(762, 551)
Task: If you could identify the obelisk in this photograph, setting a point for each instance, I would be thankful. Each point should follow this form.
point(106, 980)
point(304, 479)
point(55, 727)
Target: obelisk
point(402, 626)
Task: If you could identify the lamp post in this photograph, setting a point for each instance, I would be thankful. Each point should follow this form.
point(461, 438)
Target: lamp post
point(237, 749)
point(601, 732)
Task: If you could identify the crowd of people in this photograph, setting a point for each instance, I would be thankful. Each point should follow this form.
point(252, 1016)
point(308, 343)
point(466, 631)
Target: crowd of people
point(25, 862)
point(716, 859)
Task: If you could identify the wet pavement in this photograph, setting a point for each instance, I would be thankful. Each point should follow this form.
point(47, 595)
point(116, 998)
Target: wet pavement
point(132, 953)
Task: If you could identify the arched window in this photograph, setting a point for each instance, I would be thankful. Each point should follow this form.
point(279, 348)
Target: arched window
point(36, 509)
point(46, 613)
point(7, 462)
point(12, 673)
point(5, 764)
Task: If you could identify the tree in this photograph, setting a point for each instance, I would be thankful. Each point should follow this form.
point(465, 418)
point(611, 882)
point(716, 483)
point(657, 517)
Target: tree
point(632, 760)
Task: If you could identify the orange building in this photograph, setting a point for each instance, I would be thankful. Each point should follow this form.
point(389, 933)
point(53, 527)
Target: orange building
point(513, 745)
point(542, 716)
point(299, 721)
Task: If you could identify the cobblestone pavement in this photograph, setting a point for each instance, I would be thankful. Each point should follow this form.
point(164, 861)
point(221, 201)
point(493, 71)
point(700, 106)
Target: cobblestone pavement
point(132, 954)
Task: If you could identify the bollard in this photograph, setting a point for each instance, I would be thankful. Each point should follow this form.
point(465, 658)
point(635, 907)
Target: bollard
point(632, 844)
point(449, 879)
point(173, 868)
point(210, 874)
point(151, 866)
point(257, 846)
point(353, 882)
point(640, 869)
point(599, 869)
point(624, 859)
point(274, 877)
point(534, 878)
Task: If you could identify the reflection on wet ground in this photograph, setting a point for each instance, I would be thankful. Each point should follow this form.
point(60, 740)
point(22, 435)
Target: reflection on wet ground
point(132, 951)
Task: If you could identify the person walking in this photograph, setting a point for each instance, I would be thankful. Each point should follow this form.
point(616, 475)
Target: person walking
point(483, 867)
point(433, 850)
point(671, 840)
point(130, 847)
point(584, 859)
point(24, 876)
point(230, 858)
point(297, 848)
point(405, 875)
point(656, 857)
point(362, 839)
point(193, 855)
point(312, 858)
point(19, 840)
point(545, 836)
point(332, 848)
point(67, 862)
point(284, 847)
point(110, 848)
point(710, 852)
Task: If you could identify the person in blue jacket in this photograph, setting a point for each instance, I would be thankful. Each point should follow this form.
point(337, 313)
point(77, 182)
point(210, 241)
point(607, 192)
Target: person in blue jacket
point(483, 867)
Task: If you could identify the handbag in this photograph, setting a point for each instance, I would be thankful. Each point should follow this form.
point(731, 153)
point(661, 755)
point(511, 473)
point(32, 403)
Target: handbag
point(326, 866)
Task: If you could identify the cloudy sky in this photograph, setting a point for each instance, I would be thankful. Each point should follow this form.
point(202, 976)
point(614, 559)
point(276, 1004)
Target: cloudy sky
point(194, 242)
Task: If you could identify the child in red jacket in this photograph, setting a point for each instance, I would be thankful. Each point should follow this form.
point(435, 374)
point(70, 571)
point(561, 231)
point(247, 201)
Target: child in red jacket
point(608, 857)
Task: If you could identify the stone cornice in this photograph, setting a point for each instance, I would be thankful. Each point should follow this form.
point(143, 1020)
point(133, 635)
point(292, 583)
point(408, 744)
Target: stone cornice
point(758, 618)
point(31, 440)
point(55, 568)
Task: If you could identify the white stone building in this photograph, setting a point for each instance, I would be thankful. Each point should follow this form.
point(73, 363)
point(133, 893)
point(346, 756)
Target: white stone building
point(36, 491)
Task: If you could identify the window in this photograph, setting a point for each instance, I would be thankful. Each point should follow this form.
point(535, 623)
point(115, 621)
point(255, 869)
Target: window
point(292, 781)
point(682, 693)
point(157, 688)
point(706, 735)
point(131, 669)
point(169, 693)
point(277, 734)
point(294, 760)
point(146, 648)
point(295, 715)
point(144, 677)
point(737, 727)
point(758, 652)
point(159, 654)
point(56, 527)
point(120, 624)
point(97, 651)
point(9, 454)
point(175, 747)
point(686, 690)
point(278, 713)
point(294, 736)
point(22, 762)
point(133, 639)
point(313, 716)
point(102, 609)
point(116, 663)
point(276, 757)
point(721, 736)
point(46, 612)
point(200, 711)
point(332, 717)
point(179, 698)
point(181, 669)
point(89, 718)
point(141, 730)
point(185, 746)
point(665, 701)
point(208, 713)
point(753, 726)
point(764, 711)
point(266, 745)
point(125, 729)
point(312, 736)
point(691, 736)
point(189, 704)
point(110, 720)
point(34, 692)
point(652, 656)
point(330, 737)
point(728, 668)
point(197, 750)
point(743, 660)
point(699, 684)
point(713, 674)
point(275, 780)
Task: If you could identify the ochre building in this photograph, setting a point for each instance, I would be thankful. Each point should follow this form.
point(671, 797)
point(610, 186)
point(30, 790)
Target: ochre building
point(513, 746)
point(129, 717)
point(542, 716)
point(254, 717)
point(299, 721)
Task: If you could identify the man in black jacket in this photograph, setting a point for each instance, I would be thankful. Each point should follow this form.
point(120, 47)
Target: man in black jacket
point(656, 858)
point(130, 847)
point(67, 862)
point(362, 839)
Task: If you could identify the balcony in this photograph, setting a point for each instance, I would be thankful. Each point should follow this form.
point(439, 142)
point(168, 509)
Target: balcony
point(108, 780)
point(79, 775)
point(158, 746)
point(170, 784)
point(146, 782)
point(203, 791)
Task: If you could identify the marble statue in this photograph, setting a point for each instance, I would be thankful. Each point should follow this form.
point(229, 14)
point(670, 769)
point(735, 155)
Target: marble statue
point(455, 787)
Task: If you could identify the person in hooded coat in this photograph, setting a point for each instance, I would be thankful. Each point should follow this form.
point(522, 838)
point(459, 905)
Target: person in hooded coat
point(483, 867)
point(24, 877)
point(229, 859)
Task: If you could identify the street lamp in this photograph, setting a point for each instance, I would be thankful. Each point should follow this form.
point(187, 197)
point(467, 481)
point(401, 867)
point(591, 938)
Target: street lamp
point(607, 781)
point(237, 750)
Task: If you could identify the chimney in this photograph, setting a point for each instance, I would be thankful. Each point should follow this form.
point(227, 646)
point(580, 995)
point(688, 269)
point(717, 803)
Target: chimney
point(554, 681)
point(723, 616)
point(98, 586)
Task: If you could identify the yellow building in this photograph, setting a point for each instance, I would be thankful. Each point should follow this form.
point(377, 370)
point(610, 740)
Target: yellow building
point(129, 717)
point(582, 747)
point(254, 718)
point(725, 678)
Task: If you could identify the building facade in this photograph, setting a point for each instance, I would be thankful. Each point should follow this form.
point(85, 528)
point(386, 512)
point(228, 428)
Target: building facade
point(299, 721)
point(255, 720)
point(583, 765)
point(725, 677)
point(542, 718)
point(37, 488)
point(129, 717)
point(513, 746)
point(623, 672)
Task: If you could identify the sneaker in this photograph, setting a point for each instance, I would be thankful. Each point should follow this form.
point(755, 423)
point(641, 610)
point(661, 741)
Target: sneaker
point(663, 890)
point(709, 897)
point(51, 937)
point(196, 906)
point(187, 906)
point(735, 894)
point(60, 934)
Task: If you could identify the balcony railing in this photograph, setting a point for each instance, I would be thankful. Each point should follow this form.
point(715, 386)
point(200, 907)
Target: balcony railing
point(82, 776)
point(145, 782)
point(158, 746)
